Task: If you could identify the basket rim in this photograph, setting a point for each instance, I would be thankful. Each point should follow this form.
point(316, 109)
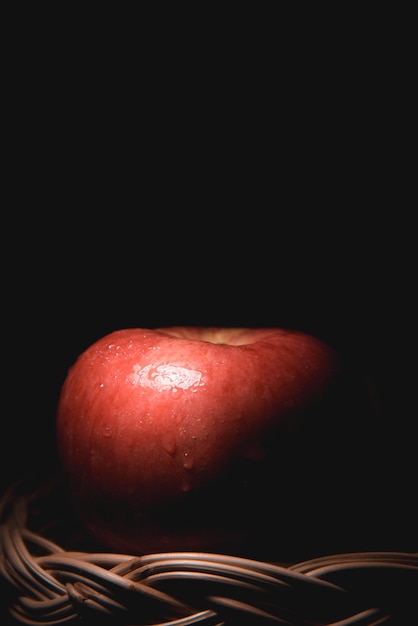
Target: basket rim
point(48, 583)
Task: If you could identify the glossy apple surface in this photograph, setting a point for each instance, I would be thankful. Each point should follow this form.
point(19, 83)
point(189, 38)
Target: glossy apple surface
point(174, 438)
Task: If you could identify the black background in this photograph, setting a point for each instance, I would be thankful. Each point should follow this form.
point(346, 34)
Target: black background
point(125, 208)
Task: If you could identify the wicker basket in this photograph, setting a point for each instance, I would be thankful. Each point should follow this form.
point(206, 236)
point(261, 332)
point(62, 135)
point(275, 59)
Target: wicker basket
point(45, 583)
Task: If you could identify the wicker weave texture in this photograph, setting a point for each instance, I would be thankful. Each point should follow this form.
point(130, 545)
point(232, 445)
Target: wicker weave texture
point(43, 583)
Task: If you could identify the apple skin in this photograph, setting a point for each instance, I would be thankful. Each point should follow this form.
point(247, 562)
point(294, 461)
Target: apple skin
point(174, 438)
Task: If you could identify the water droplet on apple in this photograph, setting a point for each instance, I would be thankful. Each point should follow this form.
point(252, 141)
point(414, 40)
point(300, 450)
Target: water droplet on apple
point(169, 445)
point(107, 431)
point(188, 463)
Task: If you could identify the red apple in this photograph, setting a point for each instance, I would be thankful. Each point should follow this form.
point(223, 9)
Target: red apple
point(174, 438)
